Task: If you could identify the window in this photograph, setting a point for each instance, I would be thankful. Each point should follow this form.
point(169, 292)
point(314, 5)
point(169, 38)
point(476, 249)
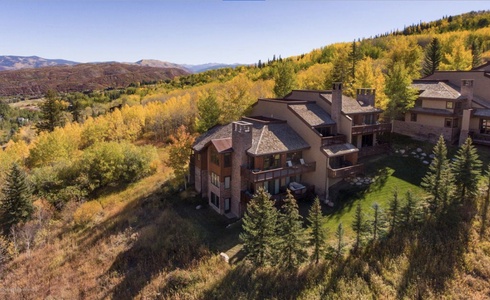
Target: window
point(369, 119)
point(294, 156)
point(418, 102)
point(227, 182)
point(215, 179)
point(484, 126)
point(448, 122)
point(458, 104)
point(227, 160)
point(324, 131)
point(214, 156)
point(413, 117)
point(214, 199)
point(272, 161)
point(449, 105)
point(199, 156)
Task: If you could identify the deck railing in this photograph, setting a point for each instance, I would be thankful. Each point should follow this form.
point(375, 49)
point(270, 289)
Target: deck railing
point(255, 176)
point(375, 128)
point(345, 171)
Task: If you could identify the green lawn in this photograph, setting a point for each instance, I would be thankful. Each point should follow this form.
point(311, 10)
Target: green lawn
point(390, 172)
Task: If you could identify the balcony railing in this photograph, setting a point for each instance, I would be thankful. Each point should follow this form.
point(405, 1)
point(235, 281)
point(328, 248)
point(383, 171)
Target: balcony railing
point(478, 138)
point(255, 176)
point(345, 171)
point(334, 140)
point(375, 128)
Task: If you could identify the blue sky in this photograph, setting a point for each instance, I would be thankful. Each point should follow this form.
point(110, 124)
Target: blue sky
point(198, 32)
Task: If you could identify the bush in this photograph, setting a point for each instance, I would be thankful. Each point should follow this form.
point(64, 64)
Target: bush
point(87, 212)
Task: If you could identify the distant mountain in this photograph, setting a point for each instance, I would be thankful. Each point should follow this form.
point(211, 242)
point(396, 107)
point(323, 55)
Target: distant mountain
point(29, 62)
point(78, 78)
point(209, 66)
point(160, 64)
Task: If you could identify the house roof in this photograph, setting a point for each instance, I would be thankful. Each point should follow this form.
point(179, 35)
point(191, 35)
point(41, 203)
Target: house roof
point(436, 89)
point(431, 111)
point(312, 114)
point(483, 113)
point(484, 67)
point(267, 138)
point(222, 145)
point(352, 106)
point(339, 149)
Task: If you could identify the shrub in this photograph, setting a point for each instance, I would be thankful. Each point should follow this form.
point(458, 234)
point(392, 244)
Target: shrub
point(87, 212)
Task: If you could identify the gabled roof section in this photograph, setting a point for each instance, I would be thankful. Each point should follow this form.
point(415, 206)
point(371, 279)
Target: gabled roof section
point(275, 138)
point(222, 145)
point(312, 114)
point(351, 105)
point(268, 136)
point(309, 95)
point(438, 89)
point(217, 132)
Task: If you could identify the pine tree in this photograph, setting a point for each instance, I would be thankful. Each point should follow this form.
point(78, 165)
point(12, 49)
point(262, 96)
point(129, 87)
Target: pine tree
point(378, 224)
point(409, 212)
point(354, 56)
point(340, 244)
point(466, 169)
point(476, 53)
point(259, 229)
point(291, 235)
point(318, 235)
point(394, 211)
point(285, 79)
point(52, 113)
point(16, 205)
point(208, 113)
point(402, 96)
point(432, 58)
point(438, 179)
point(359, 226)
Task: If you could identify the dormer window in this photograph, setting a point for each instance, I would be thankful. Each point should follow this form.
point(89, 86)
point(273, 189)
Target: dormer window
point(449, 105)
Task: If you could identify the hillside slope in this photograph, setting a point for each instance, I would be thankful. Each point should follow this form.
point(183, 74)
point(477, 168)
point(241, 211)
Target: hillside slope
point(79, 78)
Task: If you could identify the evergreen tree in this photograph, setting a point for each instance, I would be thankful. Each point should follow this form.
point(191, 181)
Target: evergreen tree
point(432, 58)
point(259, 229)
point(394, 211)
point(291, 235)
point(476, 51)
point(354, 56)
point(340, 244)
point(402, 96)
point(208, 113)
point(285, 79)
point(378, 223)
point(341, 71)
point(318, 235)
point(438, 176)
point(409, 212)
point(16, 205)
point(52, 113)
point(466, 169)
point(359, 226)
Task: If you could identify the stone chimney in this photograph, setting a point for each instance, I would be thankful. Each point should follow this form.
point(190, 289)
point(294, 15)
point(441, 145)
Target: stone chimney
point(336, 109)
point(241, 141)
point(366, 96)
point(467, 92)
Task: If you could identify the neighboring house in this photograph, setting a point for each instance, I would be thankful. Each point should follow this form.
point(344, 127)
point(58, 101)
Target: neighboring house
point(306, 141)
point(455, 104)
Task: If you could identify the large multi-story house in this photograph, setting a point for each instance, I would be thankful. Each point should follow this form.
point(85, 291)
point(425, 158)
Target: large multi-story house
point(455, 104)
point(306, 141)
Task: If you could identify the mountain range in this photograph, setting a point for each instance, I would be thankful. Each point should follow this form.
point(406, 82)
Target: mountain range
point(11, 62)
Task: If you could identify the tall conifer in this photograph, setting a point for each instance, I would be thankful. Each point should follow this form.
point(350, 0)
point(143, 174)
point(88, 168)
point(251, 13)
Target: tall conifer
point(318, 235)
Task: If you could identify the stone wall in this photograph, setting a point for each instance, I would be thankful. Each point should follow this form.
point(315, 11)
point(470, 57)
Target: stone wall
point(425, 132)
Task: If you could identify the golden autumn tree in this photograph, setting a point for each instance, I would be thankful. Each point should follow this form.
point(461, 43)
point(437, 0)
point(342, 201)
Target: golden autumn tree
point(180, 151)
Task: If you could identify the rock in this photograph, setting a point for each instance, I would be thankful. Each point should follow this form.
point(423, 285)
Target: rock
point(419, 150)
point(413, 153)
point(402, 151)
point(330, 203)
point(199, 207)
point(224, 257)
point(425, 162)
point(423, 154)
point(432, 156)
point(359, 183)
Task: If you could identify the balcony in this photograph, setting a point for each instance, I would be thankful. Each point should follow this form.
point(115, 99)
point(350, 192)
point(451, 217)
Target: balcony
point(345, 171)
point(333, 140)
point(479, 138)
point(374, 128)
point(255, 176)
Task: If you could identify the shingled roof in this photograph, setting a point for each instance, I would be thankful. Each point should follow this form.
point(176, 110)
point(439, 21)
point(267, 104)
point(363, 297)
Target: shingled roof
point(482, 113)
point(353, 106)
point(436, 89)
point(312, 114)
point(267, 138)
